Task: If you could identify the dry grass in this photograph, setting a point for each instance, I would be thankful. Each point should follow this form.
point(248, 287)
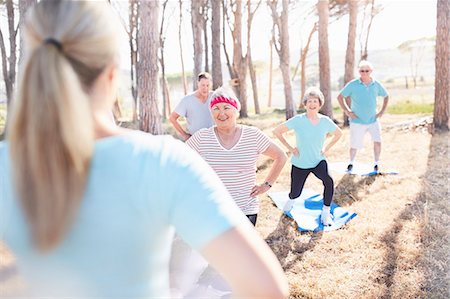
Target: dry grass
point(397, 246)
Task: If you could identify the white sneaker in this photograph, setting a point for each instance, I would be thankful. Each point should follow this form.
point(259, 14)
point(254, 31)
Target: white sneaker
point(326, 218)
point(288, 205)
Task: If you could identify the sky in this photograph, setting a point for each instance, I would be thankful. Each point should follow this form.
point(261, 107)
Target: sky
point(400, 20)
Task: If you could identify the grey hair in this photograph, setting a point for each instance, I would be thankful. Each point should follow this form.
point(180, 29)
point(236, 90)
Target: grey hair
point(313, 92)
point(364, 63)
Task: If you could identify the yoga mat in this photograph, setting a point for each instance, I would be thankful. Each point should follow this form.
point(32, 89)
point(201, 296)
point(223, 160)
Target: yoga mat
point(307, 209)
point(359, 169)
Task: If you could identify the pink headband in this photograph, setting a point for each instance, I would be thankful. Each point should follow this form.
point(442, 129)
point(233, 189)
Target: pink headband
point(222, 99)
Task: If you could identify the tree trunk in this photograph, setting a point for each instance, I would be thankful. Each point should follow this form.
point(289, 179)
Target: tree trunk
point(197, 25)
point(9, 62)
point(324, 57)
point(133, 41)
point(281, 22)
point(269, 96)
point(441, 113)
point(350, 53)
point(239, 62)
point(305, 51)
point(150, 119)
point(204, 13)
point(285, 60)
point(164, 87)
point(215, 44)
point(180, 43)
point(250, 15)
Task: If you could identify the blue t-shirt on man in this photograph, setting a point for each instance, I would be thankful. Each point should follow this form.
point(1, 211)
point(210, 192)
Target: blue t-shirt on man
point(364, 99)
point(310, 138)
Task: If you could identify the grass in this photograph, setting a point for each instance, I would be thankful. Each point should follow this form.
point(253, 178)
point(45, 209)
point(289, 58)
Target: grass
point(397, 246)
point(407, 107)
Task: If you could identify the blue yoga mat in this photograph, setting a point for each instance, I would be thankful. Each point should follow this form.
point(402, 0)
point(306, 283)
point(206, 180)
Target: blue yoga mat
point(307, 209)
point(359, 169)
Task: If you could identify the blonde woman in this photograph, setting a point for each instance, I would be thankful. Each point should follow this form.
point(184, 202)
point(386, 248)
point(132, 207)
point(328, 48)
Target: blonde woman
point(232, 151)
point(308, 154)
point(87, 208)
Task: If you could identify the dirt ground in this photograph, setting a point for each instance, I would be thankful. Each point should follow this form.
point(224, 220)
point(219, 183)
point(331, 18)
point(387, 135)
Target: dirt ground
point(397, 246)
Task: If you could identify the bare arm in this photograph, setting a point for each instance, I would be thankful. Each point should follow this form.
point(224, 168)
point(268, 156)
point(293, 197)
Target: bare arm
point(174, 120)
point(278, 132)
point(345, 108)
point(279, 159)
point(336, 135)
point(247, 264)
point(383, 108)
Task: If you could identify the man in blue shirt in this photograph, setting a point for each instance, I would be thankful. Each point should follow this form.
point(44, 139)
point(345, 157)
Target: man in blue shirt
point(363, 115)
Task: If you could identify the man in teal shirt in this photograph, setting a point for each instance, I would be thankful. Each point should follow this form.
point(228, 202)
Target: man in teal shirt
point(363, 115)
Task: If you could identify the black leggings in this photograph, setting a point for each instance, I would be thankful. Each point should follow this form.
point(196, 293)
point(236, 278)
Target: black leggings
point(252, 218)
point(299, 175)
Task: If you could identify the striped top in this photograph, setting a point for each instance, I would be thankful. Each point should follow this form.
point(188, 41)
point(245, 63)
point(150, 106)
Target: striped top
point(236, 167)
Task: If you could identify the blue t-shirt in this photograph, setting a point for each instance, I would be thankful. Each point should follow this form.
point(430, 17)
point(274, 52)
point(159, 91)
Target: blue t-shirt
point(140, 188)
point(364, 99)
point(309, 139)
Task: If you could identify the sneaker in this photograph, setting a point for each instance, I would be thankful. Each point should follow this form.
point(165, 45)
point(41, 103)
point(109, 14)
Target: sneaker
point(288, 205)
point(375, 168)
point(349, 167)
point(326, 219)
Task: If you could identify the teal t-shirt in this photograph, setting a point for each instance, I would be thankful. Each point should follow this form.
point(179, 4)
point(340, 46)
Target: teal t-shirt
point(364, 99)
point(140, 188)
point(309, 139)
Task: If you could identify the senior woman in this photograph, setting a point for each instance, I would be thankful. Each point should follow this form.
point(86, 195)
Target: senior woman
point(232, 151)
point(311, 129)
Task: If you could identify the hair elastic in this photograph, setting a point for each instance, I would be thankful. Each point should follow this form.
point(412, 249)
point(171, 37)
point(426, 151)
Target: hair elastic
point(54, 42)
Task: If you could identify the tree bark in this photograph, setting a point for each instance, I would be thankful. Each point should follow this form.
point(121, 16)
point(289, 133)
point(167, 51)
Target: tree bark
point(305, 51)
point(150, 118)
point(164, 87)
point(281, 45)
point(441, 113)
point(180, 43)
point(197, 29)
point(250, 15)
point(324, 57)
point(205, 18)
point(239, 61)
point(9, 61)
point(269, 96)
point(350, 53)
point(215, 44)
point(133, 41)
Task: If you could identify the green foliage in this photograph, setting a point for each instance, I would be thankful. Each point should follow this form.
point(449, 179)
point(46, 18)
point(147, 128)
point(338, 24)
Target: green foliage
point(407, 107)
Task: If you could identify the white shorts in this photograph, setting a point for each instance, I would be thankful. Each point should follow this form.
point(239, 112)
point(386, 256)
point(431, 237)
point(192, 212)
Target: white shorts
point(358, 131)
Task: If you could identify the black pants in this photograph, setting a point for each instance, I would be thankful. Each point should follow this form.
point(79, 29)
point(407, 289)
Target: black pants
point(299, 175)
point(252, 218)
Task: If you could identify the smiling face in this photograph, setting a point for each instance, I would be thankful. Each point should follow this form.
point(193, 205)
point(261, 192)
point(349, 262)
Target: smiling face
point(313, 104)
point(224, 115)
point(365, 72)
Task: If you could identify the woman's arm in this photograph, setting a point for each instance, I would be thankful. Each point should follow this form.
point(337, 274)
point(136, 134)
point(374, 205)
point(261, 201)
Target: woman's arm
point(278, 132)
point(336, 135)
point(247, 264)
point(279, 159)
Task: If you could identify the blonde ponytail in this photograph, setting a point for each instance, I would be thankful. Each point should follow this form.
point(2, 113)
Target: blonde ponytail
point(51, 131)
